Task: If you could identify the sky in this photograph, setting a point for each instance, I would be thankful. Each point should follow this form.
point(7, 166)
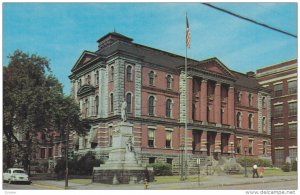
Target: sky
point(62, 31)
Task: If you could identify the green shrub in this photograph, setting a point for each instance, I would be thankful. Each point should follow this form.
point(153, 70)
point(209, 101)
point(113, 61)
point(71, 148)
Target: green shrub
point(294, 166)
point(252, 161)
point(286, 167)
point(161, 168)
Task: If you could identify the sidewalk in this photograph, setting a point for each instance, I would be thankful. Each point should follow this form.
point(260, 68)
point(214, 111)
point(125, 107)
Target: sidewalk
point(211, 181)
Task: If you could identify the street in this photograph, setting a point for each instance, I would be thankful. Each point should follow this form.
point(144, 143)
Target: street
point(278, 185)
point(283, 185)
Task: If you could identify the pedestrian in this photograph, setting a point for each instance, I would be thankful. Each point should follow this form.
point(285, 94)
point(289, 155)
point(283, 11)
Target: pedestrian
point(261, 171)
point(254, 171)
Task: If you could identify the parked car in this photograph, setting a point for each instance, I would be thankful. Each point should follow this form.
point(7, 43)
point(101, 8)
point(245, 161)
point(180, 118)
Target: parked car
point(16, 175)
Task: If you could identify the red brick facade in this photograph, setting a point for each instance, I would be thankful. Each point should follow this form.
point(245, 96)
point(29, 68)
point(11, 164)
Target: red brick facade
point(156, 83)
point(281, 79)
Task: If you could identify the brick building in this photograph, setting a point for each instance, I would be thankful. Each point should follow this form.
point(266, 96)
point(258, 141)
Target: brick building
point(282, 80)
point(228, 112)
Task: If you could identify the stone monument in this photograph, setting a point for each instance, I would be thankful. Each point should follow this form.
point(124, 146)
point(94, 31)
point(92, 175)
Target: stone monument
point(122, 166)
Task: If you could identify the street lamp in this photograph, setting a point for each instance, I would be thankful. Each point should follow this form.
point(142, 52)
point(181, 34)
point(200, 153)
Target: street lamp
point(245, 152)
point(181, 164)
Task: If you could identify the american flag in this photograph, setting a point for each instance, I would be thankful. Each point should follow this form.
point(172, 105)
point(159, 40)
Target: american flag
point(188, 36)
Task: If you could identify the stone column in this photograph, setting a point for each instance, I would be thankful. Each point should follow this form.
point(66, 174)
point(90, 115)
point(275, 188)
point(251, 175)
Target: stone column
point(231, 148)
point(217, 104)
point(218, 142)
point(203, 141)
point(231, 115)
point(203, 100)
point(190, 98)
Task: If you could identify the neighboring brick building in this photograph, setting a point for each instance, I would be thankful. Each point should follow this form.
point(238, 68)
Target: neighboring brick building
point(282, 80)
point(227, 111)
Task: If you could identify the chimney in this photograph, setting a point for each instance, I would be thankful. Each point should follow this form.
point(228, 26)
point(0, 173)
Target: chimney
point(250, 74)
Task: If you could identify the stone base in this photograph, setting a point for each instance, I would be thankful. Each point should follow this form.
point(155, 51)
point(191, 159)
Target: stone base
point(123, 176)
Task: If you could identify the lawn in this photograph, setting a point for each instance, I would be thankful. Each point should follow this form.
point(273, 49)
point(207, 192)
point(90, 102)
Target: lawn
point(269, 172)
point(81, 181)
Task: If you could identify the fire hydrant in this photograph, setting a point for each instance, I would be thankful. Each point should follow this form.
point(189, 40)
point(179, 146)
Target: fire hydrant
point(146, 184)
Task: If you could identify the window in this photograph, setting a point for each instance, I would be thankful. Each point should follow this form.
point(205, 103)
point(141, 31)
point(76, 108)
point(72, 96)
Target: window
point(86, 107)
point(96, 105)
point(42, 153)
point(278, 111)
point(293, 154)
point(250, 121)
point(151, 106)
point(292, 87)
point(279, 157)
point(50, 152)
point(93, 145)
point(239, 97)
point(278, 90)
point(151, 138)
point(111, 102)
point(293, 129)
point(151, 160)
point(88, 79)
point(169, 108)
point(80, 83)
point(263, 102)
point(129, 73)
point(194, 111)
point(250, 149)
point(168, 139)
point(238, 145)
point(112, 73)
point(97, 77)
point(110, 132)
point(293, 109)
point(151, 78)
point(238, 120)
point(128, 101)
point(169, 82)
point(169, 161)
point(278, 131)
point(250, 99)
point(264, 147)
point(264, 123)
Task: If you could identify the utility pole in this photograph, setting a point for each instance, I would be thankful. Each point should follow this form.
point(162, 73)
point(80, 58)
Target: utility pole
point(66, 153)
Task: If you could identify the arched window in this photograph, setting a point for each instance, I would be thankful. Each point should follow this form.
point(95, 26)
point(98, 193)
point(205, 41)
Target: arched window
point(169, 82)
point(88, 79)
point(250, 121)
point(238, 120)
point(250, 99)
point(80, 83)
point(169, 108)
point(86, 107)
point(128, 101)
point(111, 102)
point(112, 73)
point(151, 78)
point(129, 73)
point(96, 105)
point(263, 101)
point(264, 123)
point(151, 105)
point(97, 77)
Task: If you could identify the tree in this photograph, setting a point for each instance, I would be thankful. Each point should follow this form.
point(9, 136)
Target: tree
point(33, 101)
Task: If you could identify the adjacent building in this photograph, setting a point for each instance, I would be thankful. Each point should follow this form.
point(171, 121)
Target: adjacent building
point(281, 79)
point(228, 113)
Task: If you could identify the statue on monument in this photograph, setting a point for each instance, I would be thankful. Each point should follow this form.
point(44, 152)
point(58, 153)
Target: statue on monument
point(124, 110)
point(129, 145)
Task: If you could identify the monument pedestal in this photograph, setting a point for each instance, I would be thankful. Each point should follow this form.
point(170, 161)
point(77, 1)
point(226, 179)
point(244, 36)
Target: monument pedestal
point(122, 166)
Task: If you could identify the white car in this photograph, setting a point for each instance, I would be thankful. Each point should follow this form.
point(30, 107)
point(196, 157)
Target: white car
point(16, 175)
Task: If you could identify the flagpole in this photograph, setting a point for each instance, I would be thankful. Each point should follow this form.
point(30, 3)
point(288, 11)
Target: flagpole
point(186, 111)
